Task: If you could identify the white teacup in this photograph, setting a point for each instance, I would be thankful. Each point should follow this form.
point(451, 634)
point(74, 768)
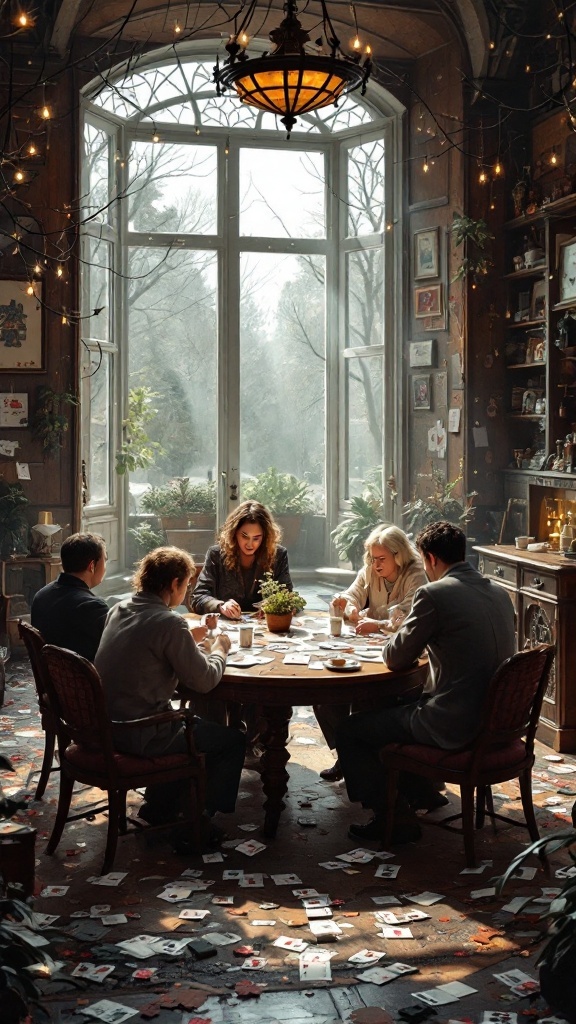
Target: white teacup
point(523, 542)
point(246, 635)
point(335, 625)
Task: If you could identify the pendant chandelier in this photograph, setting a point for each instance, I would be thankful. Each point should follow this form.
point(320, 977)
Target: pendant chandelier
point(289, 80)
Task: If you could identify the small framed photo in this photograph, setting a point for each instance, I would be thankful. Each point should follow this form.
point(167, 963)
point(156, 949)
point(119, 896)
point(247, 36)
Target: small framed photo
point(21, 340)
point(421, 391)
point(567, 272)
point(538, 301)
point(13, 410)
point(426, 254)
point(428, 301)
point(422, 353)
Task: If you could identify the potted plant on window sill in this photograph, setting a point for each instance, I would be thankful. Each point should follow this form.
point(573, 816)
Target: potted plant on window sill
point(557, 958)
point(285, 496)
point(181, 504)
point(279, 604)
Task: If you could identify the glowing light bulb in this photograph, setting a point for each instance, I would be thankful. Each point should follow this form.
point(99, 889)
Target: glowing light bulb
point(45, 113)
point(553, 158)
point(492, 206)
point(367, 50)
point(482, 177)
point(23, 20)
point(32, 149)
point(59, 270)
point(498, 168)
point(389, 227)
point(243, 39)
point(155, 138)
point(64, 319)
point(177, 28)
point(527, 68)
point(426, 166)
point(18, 175)
point(491, 45)
point(37, 269)
point(197, 131)
point(356, 45)
point(30, 290)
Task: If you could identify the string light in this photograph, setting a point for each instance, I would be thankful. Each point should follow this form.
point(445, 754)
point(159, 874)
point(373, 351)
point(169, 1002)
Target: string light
point(32, 149)
point(356, 45)
point(155, 138)
point(177, 28)
point(497, 168)
point(30, 290)
point(244, 39)
point(553, 158)
point(64, 319)
point(23, 20)
point(527, 69)
point(45, 113)
point(37, 269)
point(482, 177)
point(367, 50)
point(18, 175)
point(491, 45)
point(196, 130)
point(59, 270)
point(426, 165)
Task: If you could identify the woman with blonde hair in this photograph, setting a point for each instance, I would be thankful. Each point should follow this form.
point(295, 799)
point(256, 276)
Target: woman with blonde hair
point(380, 597)
point(378, 600)
point(233, 569)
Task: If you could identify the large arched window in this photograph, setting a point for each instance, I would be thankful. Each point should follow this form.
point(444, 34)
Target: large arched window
point(248, 294)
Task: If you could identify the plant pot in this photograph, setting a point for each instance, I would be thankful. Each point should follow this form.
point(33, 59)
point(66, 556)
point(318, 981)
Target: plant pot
point(174, 522)
point(202, 521)
point(290, 526)
point(278, 623)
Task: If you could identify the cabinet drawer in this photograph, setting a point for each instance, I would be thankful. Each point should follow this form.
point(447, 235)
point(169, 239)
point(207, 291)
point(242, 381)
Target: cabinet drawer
point(538, 582)
point(501, 571)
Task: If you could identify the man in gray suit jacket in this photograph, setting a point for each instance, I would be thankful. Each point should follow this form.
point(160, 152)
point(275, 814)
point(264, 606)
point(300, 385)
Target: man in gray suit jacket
point(466, 624)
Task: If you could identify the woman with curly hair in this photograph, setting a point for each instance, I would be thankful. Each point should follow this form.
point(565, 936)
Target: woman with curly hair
point(233, 569)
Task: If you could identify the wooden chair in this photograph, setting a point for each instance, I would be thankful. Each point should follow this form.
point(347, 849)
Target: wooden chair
point(502, 750)
point(87, 753)
point(34, 643)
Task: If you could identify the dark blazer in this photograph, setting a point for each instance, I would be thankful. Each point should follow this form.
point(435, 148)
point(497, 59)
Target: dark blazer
point(466, 623)
point(216, 583)
point(69, 615)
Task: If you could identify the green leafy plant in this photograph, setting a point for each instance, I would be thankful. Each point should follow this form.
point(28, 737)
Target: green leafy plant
point(180, 498)
point(146, 537)
point(365, 513)
point(138, 451)
point(561, 916)
point(475, 236)
point(441, 504)
point(13, 521)
point(282, 493)
point(277, 599)
point(51, 422)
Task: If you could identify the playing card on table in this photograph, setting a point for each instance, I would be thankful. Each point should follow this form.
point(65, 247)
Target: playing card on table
point(526, 873)
point(377, 975)
point(385, 901)
point(398, 969)
point(189, 914)
point(212, 858)
point(190, 873)
point(250, 847)
point(222, 938)
point(330, 865)
point(171, 947)
point(387, 871)
point(499, 1017)
point(109, 1012)
point(232, 875)
point(513, 977)
point(55, 890)
point(525, 988)
point(366, 956)
point(285, 942)
point(110, 919)
point(425, 899)
point(479, 894)
point(254, 963)
point(285, 879)
point(112, 878)
point(314, 913)
point(516, 904)
point(302, 894)
point(312, 902)
point(99, 909)
point(223, 901)
point(253, 881)
point(477, 871)
point(358, 856)
point(325, 929)
point(95, 972)
point(41, 921)
point(456, 988)
point(175, 893)
point(264, 922)
point(137, 947)
point(396, 933)
point(314, 967)
point(387, 917)
point(296, 658)
point(434, 997)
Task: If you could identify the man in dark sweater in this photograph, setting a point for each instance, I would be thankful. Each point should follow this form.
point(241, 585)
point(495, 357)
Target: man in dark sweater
point(66, 612)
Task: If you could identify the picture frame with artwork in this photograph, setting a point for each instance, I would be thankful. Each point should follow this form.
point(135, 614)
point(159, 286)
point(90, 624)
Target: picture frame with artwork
point(13, 409)
point(426, 254)
point(538, 301)
point(428, 301)
point(421, 396)
point(422, 352)
point(21, 327)
point(567, 271)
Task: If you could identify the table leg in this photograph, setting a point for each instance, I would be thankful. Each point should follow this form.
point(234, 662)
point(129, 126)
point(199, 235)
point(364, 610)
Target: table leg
point(273, 765)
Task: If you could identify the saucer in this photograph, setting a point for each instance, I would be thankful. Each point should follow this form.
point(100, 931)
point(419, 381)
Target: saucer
point(350, 665)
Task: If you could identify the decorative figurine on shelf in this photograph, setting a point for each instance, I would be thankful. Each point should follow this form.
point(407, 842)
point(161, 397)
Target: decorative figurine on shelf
point(558, 464)
point(519, 193)
point(43, 534)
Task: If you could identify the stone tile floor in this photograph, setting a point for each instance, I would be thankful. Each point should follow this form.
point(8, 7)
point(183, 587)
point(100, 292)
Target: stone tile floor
point(466, 939)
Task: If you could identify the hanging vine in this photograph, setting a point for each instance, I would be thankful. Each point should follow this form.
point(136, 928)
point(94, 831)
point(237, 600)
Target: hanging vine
point(51, 419)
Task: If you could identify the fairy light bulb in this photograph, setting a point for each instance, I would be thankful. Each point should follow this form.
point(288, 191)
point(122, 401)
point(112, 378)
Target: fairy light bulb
point(59, 270)
point(30, 290)
point(45, 113)
point(23, 20)
point(367, 50)
point(177, 28)
point(498, 168)
point(527, 69)
point(64, 319)
point(553, 158)
point(426, 166)
point(155, 138)
point(243, 39)
point(37, 269)
point(482, 177)
point(18, 175)
point(356, 45)
point(32, 149)
point(491, 45)
point(196, 130)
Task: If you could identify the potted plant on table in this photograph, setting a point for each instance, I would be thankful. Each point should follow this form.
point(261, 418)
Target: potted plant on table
point(285, 496)
point(556, 961)
point(279, 604)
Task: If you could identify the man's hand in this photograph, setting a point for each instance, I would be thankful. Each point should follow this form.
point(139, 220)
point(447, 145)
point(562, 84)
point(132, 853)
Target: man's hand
point(231, 609)
point(366, 626)
point(199, 633)
point(222, 643)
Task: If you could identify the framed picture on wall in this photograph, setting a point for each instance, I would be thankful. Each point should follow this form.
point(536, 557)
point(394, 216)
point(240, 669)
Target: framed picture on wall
point(426, 254)
point(568, 270)
point(21, 340)
point(421, 391)
point(422, 352)
point(428, 301)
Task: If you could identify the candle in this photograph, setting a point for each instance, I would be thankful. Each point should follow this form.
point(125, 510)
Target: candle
point(45, 518)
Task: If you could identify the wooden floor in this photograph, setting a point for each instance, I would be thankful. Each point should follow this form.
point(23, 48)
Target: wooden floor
point(466, 938)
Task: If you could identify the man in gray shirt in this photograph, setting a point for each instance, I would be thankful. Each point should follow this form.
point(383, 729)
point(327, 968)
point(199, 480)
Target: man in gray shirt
point(146, 651)
point(466, 624)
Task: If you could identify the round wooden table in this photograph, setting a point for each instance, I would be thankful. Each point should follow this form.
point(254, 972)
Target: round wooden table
point(277, 688)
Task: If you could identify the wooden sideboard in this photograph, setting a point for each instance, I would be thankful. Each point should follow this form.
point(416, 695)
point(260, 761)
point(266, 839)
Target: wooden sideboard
point(20, 579)
point(542, 587)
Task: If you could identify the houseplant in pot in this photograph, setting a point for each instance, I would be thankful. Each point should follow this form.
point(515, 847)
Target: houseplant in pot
point(557, 959)
point(279, 604)
point(285, 496)
point(366, 511)
point(180, 504)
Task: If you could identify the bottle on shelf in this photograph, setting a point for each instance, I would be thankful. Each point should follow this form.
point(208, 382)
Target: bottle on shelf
point(566, 534)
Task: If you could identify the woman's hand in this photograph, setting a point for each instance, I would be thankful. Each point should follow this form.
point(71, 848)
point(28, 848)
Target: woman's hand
point(354, 616)
point(210, 620)
point(199, 633)
point(338, 605)
point(231, 609)
point(366, 626)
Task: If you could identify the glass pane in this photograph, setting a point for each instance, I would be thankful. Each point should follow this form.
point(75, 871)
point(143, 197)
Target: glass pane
point(173, 188)
point(97, 157)
point(366, 200)
point(364, 420)
point(365, 298)
point(172, 304)
point(98, 289)
point(282, 367)
point(100, 427)
point(282, 194)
